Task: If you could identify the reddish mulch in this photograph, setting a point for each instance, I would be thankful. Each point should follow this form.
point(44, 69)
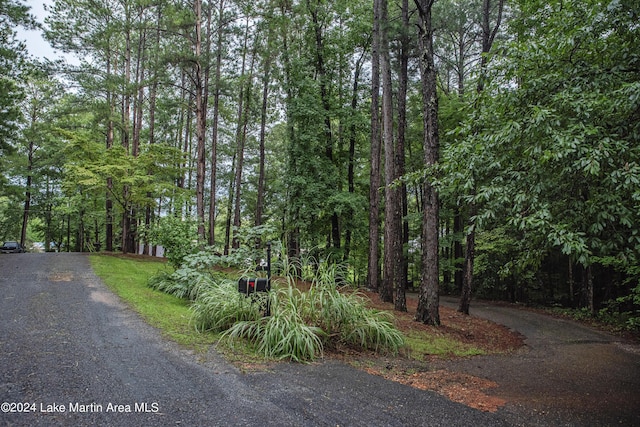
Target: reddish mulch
point(458, 387)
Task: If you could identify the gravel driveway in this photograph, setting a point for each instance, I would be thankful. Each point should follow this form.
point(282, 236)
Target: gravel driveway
point(73, 355)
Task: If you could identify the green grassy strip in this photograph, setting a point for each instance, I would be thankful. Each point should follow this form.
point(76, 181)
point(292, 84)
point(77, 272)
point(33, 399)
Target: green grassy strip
point(422, 345)
point(128, 279)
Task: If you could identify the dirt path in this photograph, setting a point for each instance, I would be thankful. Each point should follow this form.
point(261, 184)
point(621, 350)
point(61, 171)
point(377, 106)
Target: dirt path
point(566, 374)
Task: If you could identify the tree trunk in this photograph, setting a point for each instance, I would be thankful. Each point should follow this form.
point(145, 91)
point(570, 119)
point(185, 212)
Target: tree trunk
point(27, 196)
point(227, 235)
point(392, 230)
point(402, 209)
point(465, 296)
point(266, 79)
point(428, 302)
point(321, 76)
point(214, 127)
point(241, 134)
point(126, 130)
point(352, 149)
point(458, 229)
point(201, 114)
point(153, 91)
point(373, 269)
point(109, 143)
point(488, 35)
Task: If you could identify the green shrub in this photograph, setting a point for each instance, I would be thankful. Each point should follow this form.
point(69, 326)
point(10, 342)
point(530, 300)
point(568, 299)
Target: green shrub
point(175, 235)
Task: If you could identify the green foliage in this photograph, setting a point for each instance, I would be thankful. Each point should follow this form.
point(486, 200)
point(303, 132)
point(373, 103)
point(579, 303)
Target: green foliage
point(9, 218)
point(220, 306)
point(300, 324)
point(177, 236)
point(12, 71)
point(549, 153)
point(252, 243)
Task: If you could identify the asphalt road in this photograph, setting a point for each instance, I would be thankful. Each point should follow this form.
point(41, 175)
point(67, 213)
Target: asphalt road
point(72, 354)
point(567, 373)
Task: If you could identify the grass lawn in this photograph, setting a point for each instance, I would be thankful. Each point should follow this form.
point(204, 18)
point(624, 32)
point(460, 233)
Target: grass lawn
point(127, 277)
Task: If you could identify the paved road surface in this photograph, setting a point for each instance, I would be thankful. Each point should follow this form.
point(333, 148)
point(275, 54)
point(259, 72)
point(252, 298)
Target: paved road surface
point(567, 373)
point(67, 341)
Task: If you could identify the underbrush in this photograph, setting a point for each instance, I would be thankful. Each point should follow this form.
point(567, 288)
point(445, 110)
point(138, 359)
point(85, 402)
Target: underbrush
point(299, 325)
point(609, 317)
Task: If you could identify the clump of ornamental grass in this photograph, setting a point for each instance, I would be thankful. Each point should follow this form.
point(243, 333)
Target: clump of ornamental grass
point(298, 325)
point(220, 306)
point(284, 334)
point(191, 277)
point(343, 313)
point(301, 324)
point(184, 283)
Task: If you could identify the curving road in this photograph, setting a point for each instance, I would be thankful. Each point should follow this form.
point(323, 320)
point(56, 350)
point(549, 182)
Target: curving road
point(73, 355)
point(567, 373)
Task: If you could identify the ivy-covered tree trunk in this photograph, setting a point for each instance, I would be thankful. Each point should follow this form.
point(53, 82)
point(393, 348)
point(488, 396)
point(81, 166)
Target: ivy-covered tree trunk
point(428, 301)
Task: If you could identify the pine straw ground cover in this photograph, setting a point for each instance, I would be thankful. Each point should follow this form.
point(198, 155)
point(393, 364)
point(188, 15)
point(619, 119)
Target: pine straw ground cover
point(481, 336)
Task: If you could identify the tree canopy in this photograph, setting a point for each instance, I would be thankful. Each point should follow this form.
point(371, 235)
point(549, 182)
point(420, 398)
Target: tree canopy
point(414, 141)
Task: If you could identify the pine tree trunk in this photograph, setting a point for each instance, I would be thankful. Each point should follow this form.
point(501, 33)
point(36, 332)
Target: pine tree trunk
point(373, 269)
point(211, 237)
point(263, 125)
point(402, 208)
point(201, 114)
point(428, 302)
point(392, 230)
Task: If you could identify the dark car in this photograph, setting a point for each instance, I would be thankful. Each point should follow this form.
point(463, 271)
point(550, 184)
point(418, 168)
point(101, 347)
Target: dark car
point(11, 248)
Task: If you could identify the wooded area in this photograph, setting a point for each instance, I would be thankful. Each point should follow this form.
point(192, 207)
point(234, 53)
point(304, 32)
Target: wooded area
point(487, 148)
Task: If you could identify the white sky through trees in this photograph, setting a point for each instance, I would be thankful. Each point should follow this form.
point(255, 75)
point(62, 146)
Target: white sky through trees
point(37, 46)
